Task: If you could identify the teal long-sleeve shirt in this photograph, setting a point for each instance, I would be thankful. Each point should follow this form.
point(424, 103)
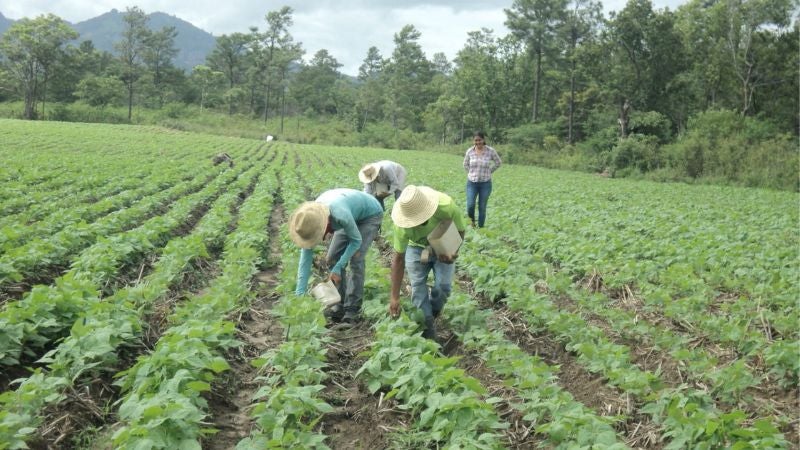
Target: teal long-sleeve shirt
point(347, 208)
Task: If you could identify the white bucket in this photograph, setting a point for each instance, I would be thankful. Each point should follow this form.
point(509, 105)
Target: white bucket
point(445, 239)
point(326, 293)
point(381, 189)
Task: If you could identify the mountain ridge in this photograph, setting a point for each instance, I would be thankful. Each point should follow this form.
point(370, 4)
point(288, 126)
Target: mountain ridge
point(193, 43)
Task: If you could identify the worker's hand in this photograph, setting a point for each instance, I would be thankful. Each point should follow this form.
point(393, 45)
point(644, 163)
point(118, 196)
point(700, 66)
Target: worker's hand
point(336, 278)
point(394, 307)
point(448, 259)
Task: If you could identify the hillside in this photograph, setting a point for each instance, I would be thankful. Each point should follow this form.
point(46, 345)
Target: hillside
point(192, 42)
point(104, 30)
point(5, 22)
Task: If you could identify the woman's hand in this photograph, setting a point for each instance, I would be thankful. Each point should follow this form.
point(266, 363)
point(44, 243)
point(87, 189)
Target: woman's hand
point(336, 278)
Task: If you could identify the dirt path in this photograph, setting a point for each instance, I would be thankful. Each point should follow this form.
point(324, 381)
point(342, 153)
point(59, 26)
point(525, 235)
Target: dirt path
point(232, 394)
point(360, 420)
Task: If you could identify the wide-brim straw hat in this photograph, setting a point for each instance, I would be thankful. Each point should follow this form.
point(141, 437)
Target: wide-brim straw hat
point(308, 223)
point(414, 206)
point(368, 173)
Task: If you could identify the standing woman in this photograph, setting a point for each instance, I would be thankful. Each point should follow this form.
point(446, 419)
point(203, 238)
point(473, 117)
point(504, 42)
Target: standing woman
point(479, 162)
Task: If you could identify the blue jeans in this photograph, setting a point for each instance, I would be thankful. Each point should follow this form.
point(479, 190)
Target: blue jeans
point(431, 303)
point(352, 286)
point(482, 191)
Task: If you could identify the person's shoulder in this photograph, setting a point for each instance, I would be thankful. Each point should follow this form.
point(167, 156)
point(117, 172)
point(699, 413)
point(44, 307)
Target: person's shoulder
point(399, 232)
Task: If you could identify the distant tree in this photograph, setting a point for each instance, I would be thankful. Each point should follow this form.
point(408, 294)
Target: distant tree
point(535, 22)
point(314, 85)
point(581, 23)
point(646, 60)
point(229, 57)
point(270, 63)
point(30, 49)
point(746, 19)
point(158, 52)
point(478, 78)
point(100, 91)
point(408, 75)
point(207, 80)
point(441, 65)
point(370, 94)
point(286, 56)
point(445, 114)
point(131, 49)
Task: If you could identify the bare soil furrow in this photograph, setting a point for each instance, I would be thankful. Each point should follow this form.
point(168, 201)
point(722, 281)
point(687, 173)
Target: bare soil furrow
point(232, 393)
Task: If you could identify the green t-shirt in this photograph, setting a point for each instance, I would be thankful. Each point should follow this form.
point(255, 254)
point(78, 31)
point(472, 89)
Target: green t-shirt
point(418, 236)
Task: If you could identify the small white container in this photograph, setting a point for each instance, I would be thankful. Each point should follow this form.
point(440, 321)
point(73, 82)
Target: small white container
point(326, 293)
point(381, 189)
point(444, 239)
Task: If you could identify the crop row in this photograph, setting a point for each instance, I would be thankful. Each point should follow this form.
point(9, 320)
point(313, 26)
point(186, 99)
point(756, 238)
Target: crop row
point(24, 202)
point(688, 416)
point(730, 381)
point(45, 312)
point(105, 326)
point(287, 407)
point(163, 406)
point(62, 216)
point(16, 264)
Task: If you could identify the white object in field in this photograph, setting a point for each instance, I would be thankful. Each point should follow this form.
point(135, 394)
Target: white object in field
point(326, 293)
point(445, 239)
point(269, 137)
point(381, 188)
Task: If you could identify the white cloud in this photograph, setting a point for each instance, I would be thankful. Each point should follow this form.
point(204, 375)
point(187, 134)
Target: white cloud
point(346, 28)
point(347, 34)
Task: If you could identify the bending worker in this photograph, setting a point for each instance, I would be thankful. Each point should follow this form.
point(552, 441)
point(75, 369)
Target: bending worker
point(415, 214)
point(383, 178)
point(354, 218)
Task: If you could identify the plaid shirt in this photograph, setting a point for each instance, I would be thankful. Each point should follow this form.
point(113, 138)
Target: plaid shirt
point(480, 168)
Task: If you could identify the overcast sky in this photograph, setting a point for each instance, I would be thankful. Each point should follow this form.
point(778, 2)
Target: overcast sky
point(346, 28)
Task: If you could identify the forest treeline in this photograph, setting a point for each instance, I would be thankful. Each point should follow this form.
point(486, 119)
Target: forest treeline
point(706, 92)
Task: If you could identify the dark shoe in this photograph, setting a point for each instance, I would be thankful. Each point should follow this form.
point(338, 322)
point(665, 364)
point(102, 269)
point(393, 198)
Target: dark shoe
point(333, 314)
point(351, 318)
point(430, 329)
point(429, 333)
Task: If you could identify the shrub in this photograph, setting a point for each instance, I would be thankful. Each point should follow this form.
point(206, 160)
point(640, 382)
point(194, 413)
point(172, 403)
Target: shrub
point(598, 147)
point(651, 123)
point(383, 135)
point(772, 164)
point(725, 146)
point(638, 152)
point(532, 134)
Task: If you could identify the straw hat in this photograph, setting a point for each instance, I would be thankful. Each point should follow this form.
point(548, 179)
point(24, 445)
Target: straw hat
point(368, 173)
point(308, 223)
point(415, 205)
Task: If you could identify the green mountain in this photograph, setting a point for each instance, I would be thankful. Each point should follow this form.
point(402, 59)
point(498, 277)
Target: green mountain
point(4, 23)
point(193, 44)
